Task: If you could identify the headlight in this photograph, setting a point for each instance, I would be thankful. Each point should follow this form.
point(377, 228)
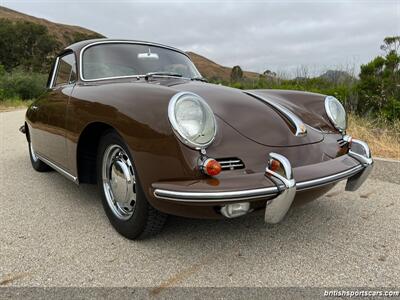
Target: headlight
point(336, 113)
point(192, 120)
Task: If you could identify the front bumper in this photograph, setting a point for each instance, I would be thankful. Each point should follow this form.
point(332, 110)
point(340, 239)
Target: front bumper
point(284, 186)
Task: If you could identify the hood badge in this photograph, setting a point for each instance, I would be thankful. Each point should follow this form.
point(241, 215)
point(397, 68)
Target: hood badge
point(298, 125)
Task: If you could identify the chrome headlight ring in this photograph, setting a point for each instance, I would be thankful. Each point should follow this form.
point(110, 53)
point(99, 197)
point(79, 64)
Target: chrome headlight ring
point(336, 113)
point(192, 120)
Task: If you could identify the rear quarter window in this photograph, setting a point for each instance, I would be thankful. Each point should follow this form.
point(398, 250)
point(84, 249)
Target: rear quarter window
point(66, 70)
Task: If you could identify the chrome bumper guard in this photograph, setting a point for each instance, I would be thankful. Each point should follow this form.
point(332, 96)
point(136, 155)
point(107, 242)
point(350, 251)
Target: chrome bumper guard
point(286, 186)
point(361, 152)
point(277, 208)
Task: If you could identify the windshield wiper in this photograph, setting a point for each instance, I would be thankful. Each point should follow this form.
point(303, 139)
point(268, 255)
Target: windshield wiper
point(171, 74)
point(199, 79)
point(161, 74)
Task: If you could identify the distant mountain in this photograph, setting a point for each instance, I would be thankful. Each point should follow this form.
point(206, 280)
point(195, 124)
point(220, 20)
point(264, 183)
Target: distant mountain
point(337, 76)
point(67, 34)
point(212, 70)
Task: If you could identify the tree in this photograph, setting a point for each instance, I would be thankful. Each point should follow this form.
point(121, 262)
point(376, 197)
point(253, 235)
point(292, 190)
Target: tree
point(236, 74)
point(25, 45)
point(379, 86)
point(391, 43)
point(269, 73)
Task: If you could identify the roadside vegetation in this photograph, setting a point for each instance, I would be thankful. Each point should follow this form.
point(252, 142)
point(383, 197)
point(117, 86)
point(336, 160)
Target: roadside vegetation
point(374, 93)
point(27, 50)
point(371, 97)
point(382, 136)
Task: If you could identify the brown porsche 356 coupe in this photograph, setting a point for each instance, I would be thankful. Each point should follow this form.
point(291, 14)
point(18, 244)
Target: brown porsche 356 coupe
point(138, 119)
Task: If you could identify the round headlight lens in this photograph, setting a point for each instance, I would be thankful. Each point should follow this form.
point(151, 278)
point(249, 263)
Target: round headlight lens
point(192, 120)
point(336, 113)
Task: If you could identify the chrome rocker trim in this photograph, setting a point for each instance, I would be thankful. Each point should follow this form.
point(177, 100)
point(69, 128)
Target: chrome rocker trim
point(286, 186)
point(58, 169)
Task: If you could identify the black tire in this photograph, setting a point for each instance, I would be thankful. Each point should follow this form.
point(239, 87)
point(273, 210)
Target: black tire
point(145, 220)
point(37, 164)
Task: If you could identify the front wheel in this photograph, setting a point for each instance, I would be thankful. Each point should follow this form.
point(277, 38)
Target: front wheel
point(123, 198)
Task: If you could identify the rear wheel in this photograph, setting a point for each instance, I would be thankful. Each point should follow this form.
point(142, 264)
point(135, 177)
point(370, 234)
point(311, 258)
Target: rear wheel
point(123, 198)
point(37, 164)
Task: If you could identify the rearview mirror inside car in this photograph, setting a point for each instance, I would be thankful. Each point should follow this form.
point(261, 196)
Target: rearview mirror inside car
point(148, 55)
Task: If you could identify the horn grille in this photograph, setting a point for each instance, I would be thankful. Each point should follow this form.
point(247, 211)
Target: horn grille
point(230, 163)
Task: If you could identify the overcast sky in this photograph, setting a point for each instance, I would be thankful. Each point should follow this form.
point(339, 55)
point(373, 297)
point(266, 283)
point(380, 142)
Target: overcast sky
point(257, 35)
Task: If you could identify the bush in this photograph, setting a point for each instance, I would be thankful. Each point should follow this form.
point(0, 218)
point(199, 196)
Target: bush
point(22, 85)
point(26, 45)
point(379, 86)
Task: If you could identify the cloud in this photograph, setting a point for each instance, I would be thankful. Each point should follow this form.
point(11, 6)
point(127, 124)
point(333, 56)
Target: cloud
point(257, 35)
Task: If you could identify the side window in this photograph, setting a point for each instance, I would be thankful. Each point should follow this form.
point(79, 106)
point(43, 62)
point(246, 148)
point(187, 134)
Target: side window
point(66, 70)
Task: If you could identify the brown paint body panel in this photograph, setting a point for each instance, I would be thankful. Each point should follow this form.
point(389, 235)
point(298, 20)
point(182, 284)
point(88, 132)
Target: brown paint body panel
point(309, 107)
point(251, 117)
point(137, 110)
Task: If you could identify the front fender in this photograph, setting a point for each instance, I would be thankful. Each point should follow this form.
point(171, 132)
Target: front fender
point(139, 114)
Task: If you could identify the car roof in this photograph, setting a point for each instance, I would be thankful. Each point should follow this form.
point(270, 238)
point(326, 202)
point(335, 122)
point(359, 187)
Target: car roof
point(77, 47)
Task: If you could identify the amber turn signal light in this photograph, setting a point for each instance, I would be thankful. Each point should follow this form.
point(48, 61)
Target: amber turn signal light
point(274, 165)
point(211, 167)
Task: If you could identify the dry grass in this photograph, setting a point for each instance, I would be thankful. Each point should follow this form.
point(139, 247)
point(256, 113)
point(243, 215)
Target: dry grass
point(12, 104)
point(382, 137)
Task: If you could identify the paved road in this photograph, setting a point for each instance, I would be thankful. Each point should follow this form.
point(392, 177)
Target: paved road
point(54, 233)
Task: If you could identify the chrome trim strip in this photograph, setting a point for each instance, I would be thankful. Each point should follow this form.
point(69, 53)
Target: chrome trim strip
point(254, 193)
point(299, 125)
point(58, 169)
point(229, 162)
point(122, 42)
point(215, 196)
point(231, 166)
point(53, 76)
point(305, 185)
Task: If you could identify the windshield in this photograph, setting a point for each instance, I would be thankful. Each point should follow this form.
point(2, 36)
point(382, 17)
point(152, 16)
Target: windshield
point(116, 60)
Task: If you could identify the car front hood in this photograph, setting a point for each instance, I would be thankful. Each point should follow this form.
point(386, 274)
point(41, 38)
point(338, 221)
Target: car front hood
point(249, 116)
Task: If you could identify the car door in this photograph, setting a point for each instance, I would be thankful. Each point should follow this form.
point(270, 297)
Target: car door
point(53, 111)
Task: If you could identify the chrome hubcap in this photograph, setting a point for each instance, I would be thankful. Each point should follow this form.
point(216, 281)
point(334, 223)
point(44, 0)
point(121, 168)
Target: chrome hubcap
point(33, 153)
point(119, 182)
